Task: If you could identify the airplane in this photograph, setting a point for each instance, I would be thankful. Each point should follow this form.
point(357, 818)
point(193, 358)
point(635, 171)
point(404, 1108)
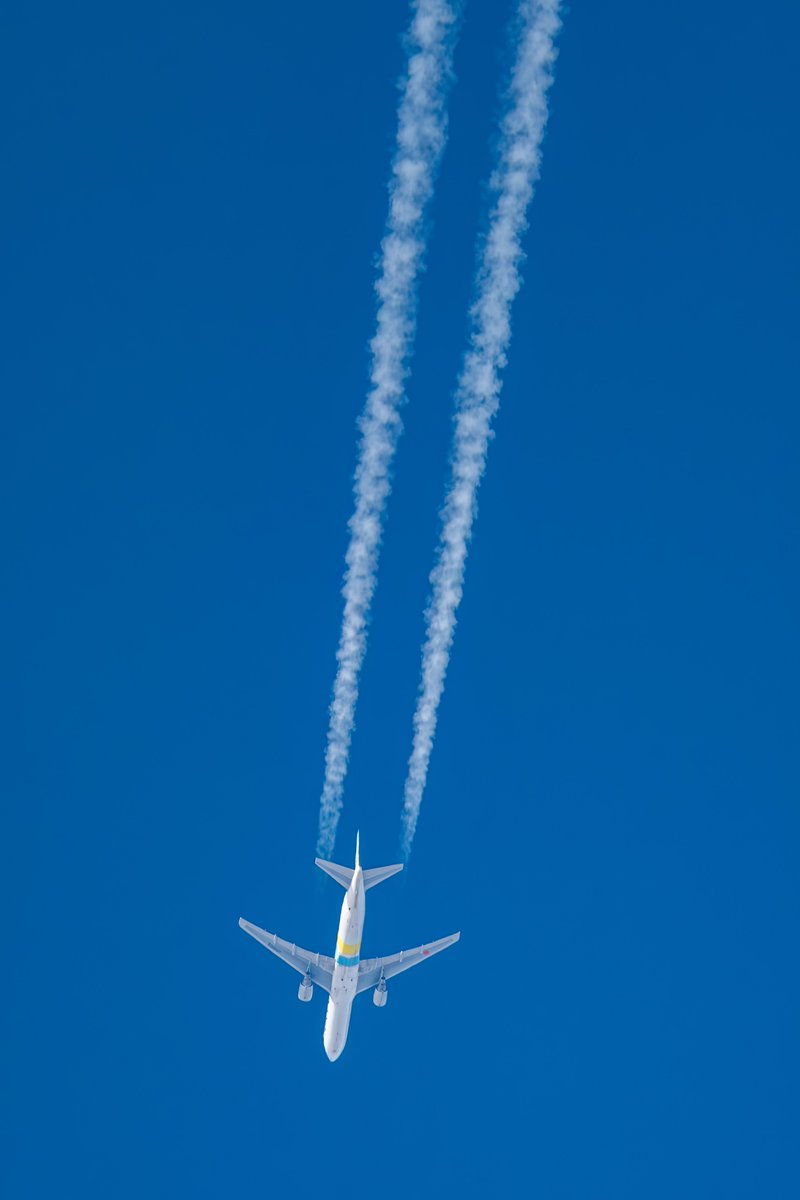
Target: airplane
point(347, 975)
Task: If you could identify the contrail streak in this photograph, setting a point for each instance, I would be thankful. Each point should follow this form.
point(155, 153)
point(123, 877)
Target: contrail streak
point(478, 390)
point(421, 132)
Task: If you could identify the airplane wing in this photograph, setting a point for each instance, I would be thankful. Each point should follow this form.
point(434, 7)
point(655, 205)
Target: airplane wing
point(370, 969)
point(320, 966)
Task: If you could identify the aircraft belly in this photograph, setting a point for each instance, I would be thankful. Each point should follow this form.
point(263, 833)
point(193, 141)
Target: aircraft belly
point(337, 1024)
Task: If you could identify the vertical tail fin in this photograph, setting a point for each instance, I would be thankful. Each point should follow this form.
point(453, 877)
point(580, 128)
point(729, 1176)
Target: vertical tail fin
point(358, 864)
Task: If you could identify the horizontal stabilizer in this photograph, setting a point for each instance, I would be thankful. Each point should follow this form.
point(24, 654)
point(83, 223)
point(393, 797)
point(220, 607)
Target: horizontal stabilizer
point(377, 875)
point(342, 875)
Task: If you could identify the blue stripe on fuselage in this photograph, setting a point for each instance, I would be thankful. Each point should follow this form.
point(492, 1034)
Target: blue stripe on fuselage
point(343, 961)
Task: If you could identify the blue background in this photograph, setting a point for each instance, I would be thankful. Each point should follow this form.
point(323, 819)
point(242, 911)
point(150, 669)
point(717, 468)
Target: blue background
point(193, 199)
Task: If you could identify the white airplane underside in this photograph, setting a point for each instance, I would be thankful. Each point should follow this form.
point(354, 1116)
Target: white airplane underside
point(346, 975)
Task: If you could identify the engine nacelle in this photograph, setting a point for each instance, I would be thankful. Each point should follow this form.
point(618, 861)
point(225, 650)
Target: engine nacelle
point(306, 989)
point(380, 995)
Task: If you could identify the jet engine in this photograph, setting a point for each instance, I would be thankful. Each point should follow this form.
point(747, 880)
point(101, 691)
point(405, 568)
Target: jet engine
point(306, 989)
point(380, 995)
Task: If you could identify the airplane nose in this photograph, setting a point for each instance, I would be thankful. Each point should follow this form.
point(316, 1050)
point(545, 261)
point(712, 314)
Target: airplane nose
point(333, 1047)
point(335, 1035)
point(329, 1041)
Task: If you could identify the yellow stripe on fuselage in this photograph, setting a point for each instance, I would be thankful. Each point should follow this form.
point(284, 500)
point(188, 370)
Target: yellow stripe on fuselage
point(345, 949)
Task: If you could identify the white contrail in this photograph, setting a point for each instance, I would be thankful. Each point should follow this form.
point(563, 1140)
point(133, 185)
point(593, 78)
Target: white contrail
point(420, 139)
point(477, 394)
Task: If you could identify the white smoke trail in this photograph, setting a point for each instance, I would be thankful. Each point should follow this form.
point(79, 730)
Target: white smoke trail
point(477, 394)
point(421, 132)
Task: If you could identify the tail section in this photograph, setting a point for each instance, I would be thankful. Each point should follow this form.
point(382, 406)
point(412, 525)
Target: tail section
point(344, 875)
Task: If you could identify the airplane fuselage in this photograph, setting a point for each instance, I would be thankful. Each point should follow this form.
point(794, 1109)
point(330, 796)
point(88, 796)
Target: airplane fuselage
point(345, 975)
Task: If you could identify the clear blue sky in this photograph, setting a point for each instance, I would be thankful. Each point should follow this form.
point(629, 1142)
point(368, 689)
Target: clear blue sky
point(193, 198)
